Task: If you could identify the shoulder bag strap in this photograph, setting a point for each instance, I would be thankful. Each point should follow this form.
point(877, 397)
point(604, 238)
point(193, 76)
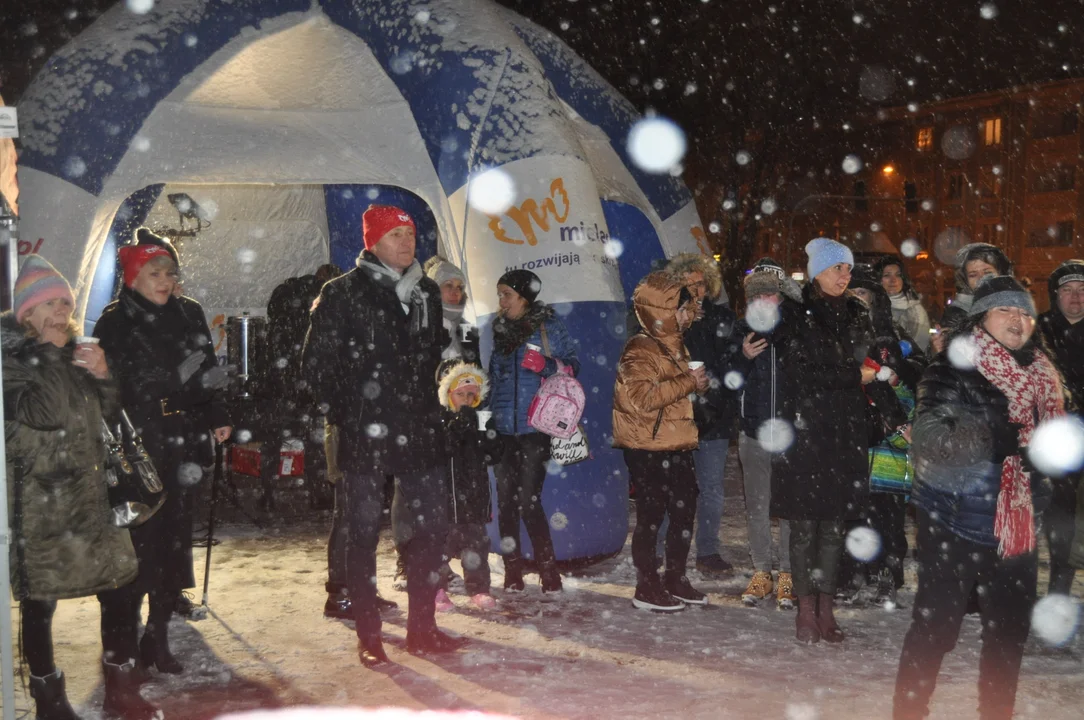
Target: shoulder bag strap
point(545, 341)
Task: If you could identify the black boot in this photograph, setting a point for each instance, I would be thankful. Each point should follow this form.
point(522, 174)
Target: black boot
point(551, 579)
point(513, 575)
point(122, 698)
point(154, 651)
point(371, 651)
point(433, 641)
point(52, 702)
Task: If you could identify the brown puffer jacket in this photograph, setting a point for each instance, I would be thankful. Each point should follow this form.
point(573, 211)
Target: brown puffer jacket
point(652, 410)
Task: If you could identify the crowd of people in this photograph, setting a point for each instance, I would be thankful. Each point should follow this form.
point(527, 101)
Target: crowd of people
point(830, 388)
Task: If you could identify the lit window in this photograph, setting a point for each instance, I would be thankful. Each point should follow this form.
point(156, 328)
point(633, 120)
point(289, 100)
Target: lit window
point(992, 131)
point(925, 138)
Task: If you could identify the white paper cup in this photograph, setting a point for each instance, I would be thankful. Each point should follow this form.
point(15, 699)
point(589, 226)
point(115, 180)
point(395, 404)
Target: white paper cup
point(86, 340)
point(695, 364)
point(533, 347)
point(483, 418)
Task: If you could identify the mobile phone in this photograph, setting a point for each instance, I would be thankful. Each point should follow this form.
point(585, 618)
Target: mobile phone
point(757, 337)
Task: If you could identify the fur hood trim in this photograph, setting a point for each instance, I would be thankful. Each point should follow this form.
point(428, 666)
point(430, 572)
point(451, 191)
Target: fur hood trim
point(453, 376)
point(685, 263)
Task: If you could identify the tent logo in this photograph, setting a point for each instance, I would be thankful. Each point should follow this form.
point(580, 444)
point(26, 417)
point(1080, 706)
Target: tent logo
point(532, 213)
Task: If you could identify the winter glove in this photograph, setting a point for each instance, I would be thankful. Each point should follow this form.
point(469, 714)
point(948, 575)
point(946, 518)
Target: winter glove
point(216, 378)
point(1005, 437)
point(533, 361)
point(191, 364)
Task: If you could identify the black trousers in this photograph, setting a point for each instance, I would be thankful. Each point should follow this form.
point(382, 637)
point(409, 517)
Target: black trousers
point(949, 568)
point(665, 486)
point(419, 517)
point(1059, 525)
point(470, 543)
point(520, 475)
point(887, 515)
point(118, 627)
point(338, 542)
point(816, 546)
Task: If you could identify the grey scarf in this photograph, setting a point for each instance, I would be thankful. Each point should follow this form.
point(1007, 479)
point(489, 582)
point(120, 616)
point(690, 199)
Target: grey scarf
point(405, 286)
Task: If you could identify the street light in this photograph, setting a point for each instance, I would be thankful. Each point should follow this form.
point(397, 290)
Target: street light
point(888, 170)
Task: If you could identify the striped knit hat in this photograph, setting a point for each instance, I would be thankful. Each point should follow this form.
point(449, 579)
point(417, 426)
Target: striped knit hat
point(39, 282)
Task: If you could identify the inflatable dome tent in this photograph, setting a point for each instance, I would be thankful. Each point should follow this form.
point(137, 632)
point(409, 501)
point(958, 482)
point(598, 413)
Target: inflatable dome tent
point(272, 124)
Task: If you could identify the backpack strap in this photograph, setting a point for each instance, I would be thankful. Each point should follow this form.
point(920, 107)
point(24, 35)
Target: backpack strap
point(545, 340)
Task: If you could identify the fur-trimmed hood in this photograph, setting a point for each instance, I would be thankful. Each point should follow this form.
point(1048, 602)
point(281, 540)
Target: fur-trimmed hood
point(681, 265)
point(454, 373)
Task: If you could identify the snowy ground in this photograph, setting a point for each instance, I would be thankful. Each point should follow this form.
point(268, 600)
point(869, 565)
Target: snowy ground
point(588, 654)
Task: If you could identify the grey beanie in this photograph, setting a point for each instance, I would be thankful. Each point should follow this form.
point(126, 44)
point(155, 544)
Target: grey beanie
point(996, 291)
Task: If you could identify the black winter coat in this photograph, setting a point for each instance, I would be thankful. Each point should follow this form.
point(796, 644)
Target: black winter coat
point(710, 340)
point(823, 474)
point(469, 452)
point(377, 379)
point(145, 343)
point(1066, 343)
point(957, 454)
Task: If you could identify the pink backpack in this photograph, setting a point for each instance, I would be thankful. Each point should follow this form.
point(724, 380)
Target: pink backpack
point(558, 405)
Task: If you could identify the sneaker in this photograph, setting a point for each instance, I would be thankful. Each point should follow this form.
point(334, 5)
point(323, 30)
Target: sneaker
point(484, 601)
point(686, 593)
point(784, 591)
point(760, 587)
point(712, 564)
point(654, 597)
point(551, 581)
point(886, 590)
point(444, 603)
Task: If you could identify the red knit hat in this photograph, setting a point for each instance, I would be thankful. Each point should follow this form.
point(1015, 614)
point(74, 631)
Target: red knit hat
point(134, 257)
point(378, 220)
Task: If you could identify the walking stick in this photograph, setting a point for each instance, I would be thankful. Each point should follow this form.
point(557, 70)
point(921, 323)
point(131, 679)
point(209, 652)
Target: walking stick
point(216, 478)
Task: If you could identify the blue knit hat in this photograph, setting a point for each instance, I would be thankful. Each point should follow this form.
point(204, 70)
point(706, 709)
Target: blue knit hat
point(824, 253)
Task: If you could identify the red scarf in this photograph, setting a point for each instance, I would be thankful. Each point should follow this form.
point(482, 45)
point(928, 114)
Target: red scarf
point(1032, 391)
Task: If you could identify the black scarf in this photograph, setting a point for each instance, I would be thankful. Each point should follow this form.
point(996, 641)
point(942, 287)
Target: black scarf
point(508, 334)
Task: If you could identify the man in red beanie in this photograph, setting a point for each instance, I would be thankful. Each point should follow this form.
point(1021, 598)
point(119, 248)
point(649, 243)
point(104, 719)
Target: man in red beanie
point(374, 343)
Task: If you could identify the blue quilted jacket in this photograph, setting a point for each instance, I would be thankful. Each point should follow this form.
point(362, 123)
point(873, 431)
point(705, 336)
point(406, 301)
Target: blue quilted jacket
point(513, 387)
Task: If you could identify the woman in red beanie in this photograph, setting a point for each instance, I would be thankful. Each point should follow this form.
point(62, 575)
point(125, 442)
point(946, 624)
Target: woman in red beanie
point(172, 387)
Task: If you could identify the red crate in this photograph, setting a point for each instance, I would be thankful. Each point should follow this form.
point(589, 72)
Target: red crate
point(245, 460)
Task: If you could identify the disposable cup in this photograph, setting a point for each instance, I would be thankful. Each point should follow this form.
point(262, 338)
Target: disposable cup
point(695, 364)
point(86, 340)
point(483, 418)
point(533, 347)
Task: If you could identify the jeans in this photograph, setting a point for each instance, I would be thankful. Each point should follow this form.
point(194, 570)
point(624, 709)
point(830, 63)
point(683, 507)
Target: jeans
point(950, 567)
point(118, 627)
point(470, 543)
point(815, 550)
point(665, 484)
point(756, 466)
point(338, 542)
point(710, 461)
point(419, 515)
point(520, 475)
point(886, 514)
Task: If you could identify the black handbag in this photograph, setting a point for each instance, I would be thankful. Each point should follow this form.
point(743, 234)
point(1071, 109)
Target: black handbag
point(135, 490)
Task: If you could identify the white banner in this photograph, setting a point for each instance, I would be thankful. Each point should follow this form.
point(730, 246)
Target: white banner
point(55, 220)
point(683, 233)
point(554, 228)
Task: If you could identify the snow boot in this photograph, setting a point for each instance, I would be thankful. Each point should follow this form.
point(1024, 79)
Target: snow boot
point(484, 601)
point(550, 578)
point(371, 651)
point(826, 620)
point(784, 591)
point(759, 587)
point(886, 590)
point(682, 590)
point(50, 698)
point(154, 651)
point(806, 620)
point(651, 595)
point(443, 603)
point(433, 642)
point(513, 576)
point(122, 698)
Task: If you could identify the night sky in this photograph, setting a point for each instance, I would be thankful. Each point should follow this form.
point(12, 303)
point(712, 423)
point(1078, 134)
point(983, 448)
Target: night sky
point(737, 72)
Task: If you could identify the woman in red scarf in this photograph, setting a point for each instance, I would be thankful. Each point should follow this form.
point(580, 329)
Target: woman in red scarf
point(978, 497)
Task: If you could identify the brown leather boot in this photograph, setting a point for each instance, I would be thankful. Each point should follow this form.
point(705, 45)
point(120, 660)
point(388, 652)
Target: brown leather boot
point(806, 621)
point(826, 620)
